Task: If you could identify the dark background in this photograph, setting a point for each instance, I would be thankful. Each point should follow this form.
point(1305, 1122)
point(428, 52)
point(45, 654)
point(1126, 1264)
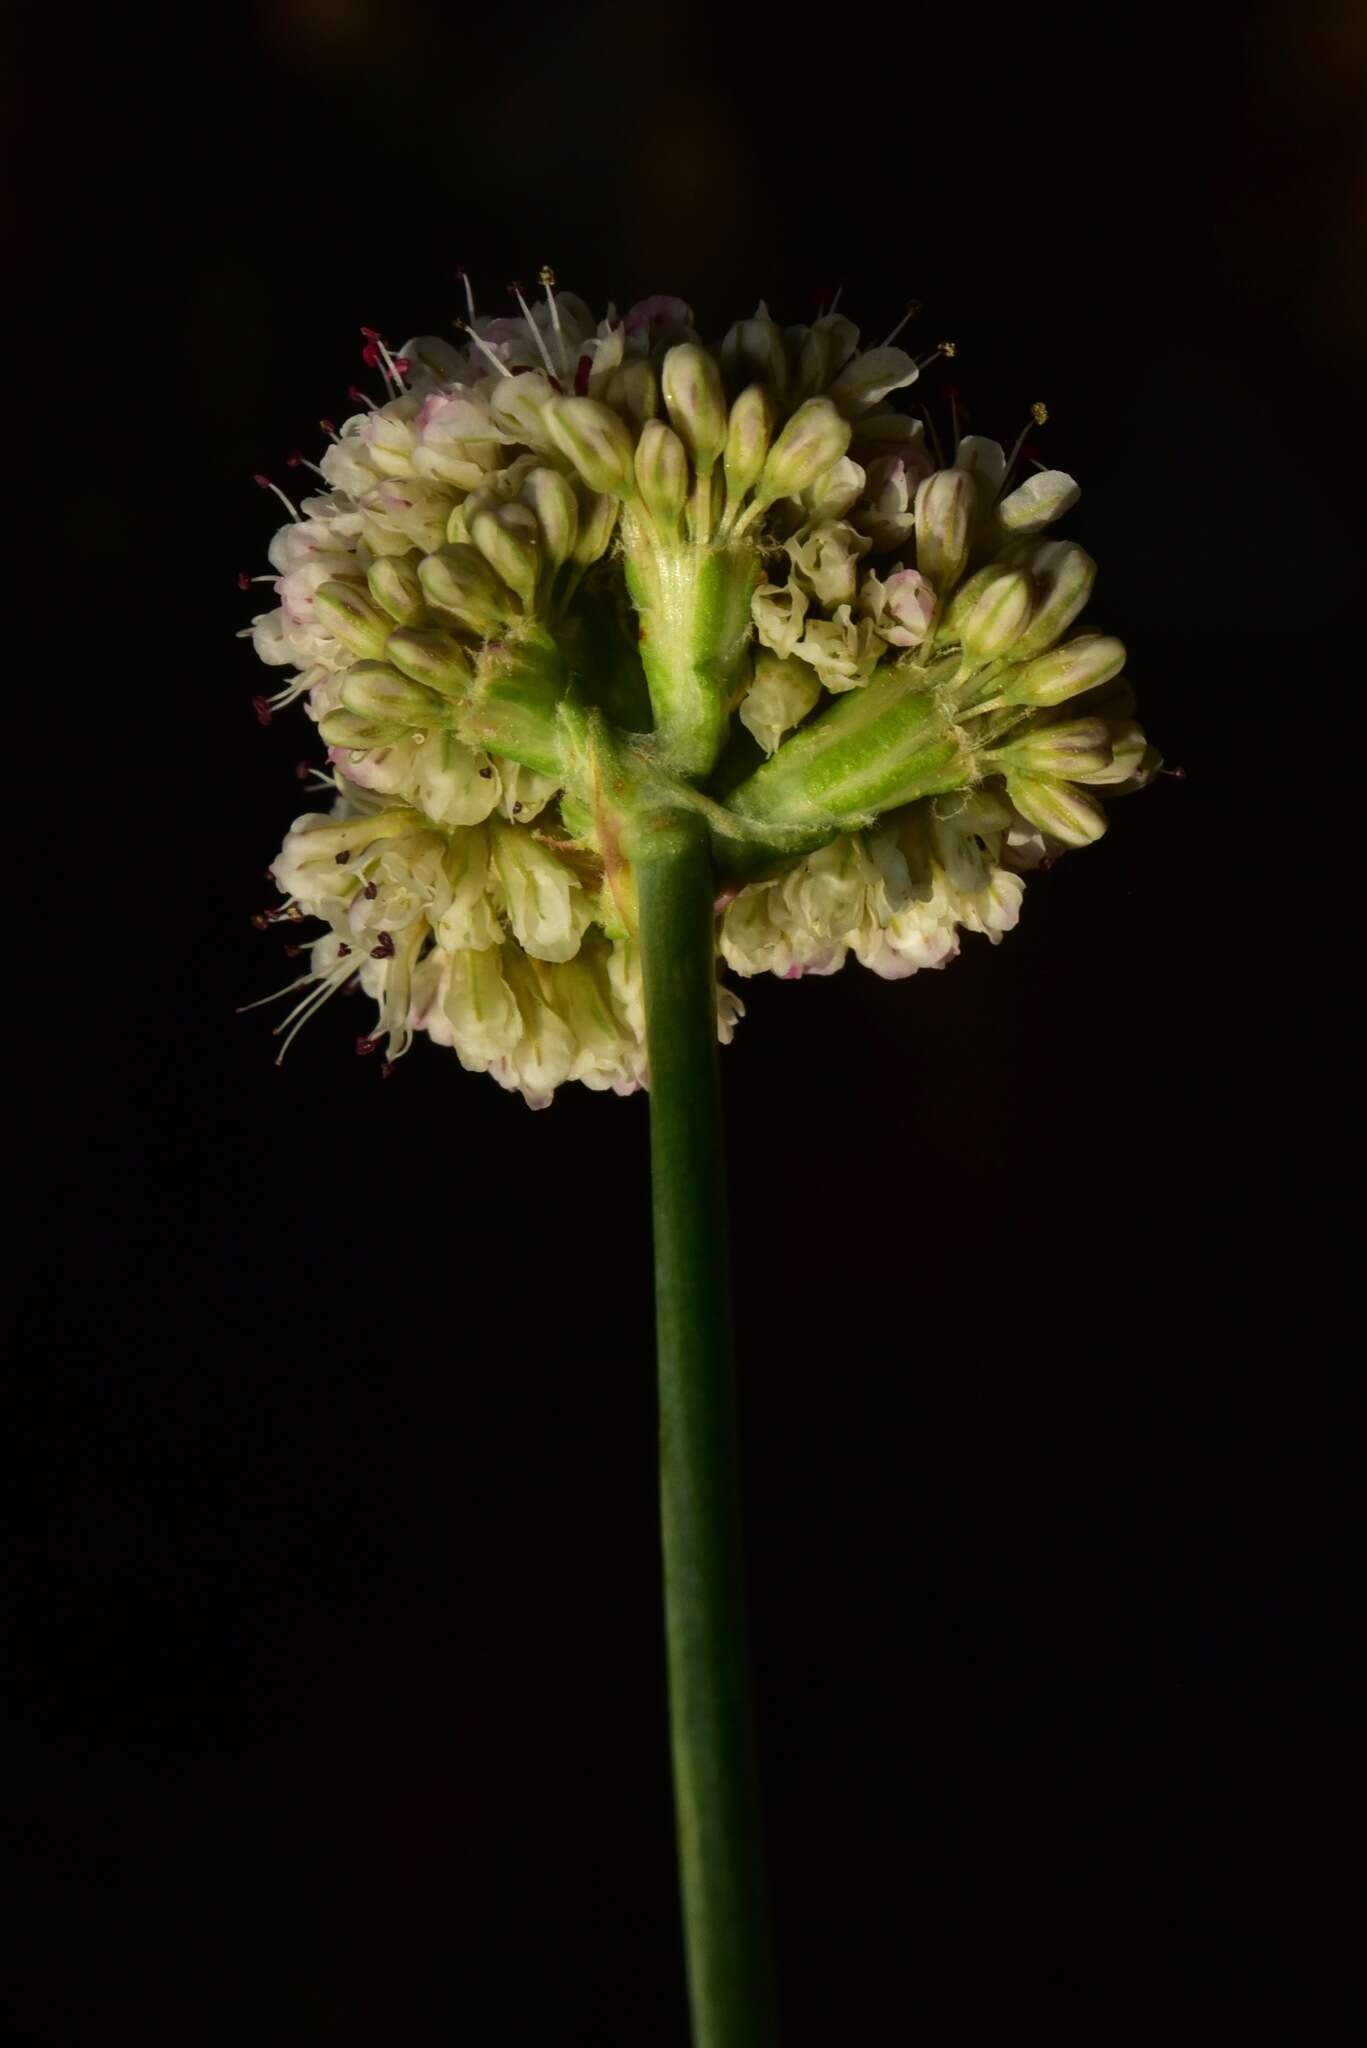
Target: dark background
point(334, 1708)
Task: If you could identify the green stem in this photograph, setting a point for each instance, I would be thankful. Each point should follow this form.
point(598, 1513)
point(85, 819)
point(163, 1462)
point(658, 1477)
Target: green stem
point(730, 1975)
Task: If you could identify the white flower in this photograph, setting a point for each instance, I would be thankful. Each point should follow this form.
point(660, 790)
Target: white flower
point(482, 537)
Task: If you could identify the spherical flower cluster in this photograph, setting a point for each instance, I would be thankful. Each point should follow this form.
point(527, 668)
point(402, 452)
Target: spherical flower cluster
point(569, 568)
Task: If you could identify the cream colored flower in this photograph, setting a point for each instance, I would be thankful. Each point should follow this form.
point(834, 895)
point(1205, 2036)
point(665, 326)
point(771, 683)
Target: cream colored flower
point(545, 570)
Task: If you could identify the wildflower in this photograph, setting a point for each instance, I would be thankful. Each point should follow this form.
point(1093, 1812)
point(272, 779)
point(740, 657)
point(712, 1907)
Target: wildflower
point(558, 562)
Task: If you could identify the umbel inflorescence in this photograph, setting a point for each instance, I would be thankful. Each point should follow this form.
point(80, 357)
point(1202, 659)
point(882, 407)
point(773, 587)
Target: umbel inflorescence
point(570, 572)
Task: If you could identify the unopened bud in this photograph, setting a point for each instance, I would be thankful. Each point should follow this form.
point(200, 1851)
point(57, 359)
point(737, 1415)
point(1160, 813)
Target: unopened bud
point(1057, 808)
point(827, 346)
point(374, 690)
point(1066, 671)
point(556, 509)
point(1064, 574)
point(458, 580)
point(989, 612)
point(634, 391)
point(597, 520)
point(696, 402)
point(755, 349)
point(1133, 763)
point(662, 474)
point(1074, 747)
point(430, 657)
point(596, 440)
point(353, 617)
point(814, 438)
point(749, 431)
point(348, 729)
point(507, 536)
point(394, 584)
point(1034, 504)
point(944, 519)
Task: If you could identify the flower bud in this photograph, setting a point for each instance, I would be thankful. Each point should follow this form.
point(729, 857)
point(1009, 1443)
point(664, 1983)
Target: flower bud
point(1067, 671)
point(1078, 747)
point(457, 580)
point(430, 657)
point(814, 438)
point(662, 474)
point(595, 440)
point(749, 431)
point(1133, 762)
point(944, 518)
point(358, 735)
point(1035, 503)
point(634, 391)
point(997, 615)
point(556, 509)
point(394, 584)
point(696, 402)
point(754, 349)
point(827, 345)
point(1064, 574)
point(374, 690)
point(353, 617)
point(507, 537)
point(1057, 808)
point(597, 520)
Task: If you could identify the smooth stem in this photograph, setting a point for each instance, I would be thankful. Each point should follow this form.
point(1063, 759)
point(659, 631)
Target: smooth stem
point(730, 1977)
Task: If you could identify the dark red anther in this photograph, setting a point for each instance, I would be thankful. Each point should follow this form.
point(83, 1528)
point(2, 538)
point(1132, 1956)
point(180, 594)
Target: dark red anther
point(513, 290)
point(367, 1045)
point(328, 426)
point(342, 952)
point(264, 481)
point(244, 581)
point(294, 459)
point(383, 948)
point(262, 709)
point(1030, 450)
point(582, 370)
point(370, 355)
point(293, 952)
point(1177, 774)
point(343, 857)
point(302, 770)
point(371, 890)
point(402, 365)
point(262, 920)
point(371, 333)
point(355, 391)
point(386, 1070)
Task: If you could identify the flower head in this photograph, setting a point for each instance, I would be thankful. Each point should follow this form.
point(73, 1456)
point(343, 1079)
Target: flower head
point(565, 567)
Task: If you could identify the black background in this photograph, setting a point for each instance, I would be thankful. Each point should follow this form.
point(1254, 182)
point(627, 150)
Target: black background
point(335, 1701)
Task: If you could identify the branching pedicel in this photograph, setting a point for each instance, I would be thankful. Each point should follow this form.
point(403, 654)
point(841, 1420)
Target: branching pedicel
point(570, 574)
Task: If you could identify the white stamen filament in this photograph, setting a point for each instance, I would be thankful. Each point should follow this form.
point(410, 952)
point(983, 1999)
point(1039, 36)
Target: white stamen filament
point(534, 331)
point(546, 277)
point(484, 348)
point(912, 310)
